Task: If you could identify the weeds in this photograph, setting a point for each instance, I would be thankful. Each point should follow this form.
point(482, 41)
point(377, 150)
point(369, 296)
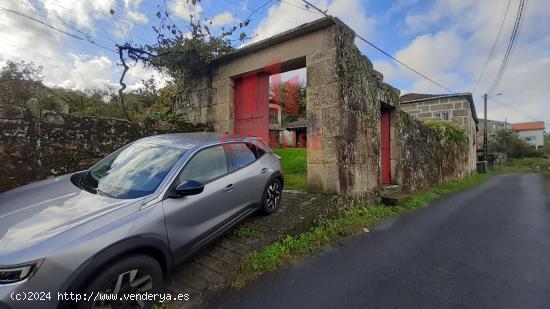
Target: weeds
point(244, 232)
point(327, 230)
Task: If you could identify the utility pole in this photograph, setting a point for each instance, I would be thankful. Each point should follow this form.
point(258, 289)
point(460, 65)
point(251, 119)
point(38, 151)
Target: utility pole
point(485, 150)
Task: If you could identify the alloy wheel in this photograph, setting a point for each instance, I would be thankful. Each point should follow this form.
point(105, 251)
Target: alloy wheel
point(130, 282)
point(273, 195)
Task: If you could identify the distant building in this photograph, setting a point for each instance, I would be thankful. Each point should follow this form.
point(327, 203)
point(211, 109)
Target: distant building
point(275, 121)
point(295, 134)
point(493, 127)
point(531, 132)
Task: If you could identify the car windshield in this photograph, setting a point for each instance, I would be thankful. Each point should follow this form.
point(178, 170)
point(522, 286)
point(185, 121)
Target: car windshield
point(132, 171)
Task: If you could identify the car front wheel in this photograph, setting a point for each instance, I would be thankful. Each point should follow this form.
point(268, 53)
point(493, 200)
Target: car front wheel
point(271, 200)
point(121, 284)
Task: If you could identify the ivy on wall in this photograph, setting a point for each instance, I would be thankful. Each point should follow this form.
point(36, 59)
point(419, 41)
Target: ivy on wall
point(447, 130)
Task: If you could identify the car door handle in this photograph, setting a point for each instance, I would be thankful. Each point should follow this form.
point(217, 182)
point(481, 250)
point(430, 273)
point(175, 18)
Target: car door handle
point(264, 170)
point(230, 187)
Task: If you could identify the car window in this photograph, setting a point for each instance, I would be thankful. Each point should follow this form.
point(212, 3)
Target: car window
point(133, 171)
point(240, 155)
point(258, 152)
point(206, 165)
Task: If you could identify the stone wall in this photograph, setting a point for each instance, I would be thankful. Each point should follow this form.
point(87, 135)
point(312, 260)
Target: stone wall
point(424, 160)
point(460, 112)
point(344, 96)
point(35, 144)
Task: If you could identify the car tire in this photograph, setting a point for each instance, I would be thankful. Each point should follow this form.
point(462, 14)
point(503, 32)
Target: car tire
point(133, 274)
point(271, 199)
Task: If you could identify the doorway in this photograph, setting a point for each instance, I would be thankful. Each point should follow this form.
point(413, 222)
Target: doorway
point(385, 147)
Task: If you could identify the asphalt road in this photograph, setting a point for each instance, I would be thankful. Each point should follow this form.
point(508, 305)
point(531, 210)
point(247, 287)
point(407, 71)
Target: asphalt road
point(486, 247)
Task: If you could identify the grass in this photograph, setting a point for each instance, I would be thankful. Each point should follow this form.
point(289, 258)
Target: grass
point(294, 167)
point(525, 165)
point(244, 232)
point(326, 231)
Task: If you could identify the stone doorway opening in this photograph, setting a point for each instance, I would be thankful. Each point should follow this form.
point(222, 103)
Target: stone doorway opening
point(271, 103)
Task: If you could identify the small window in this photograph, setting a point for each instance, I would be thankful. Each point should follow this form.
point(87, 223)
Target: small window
point(206, 165)
point(443, 115)
point(240, 154)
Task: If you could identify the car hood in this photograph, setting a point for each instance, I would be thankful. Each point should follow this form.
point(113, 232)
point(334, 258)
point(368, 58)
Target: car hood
point(33, 213)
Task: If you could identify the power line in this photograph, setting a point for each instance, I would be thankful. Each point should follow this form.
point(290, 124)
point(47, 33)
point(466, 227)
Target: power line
point(299, 7)
point(384, 52)
point(43, 23)
point(494, 45)
point(511, 43)
point(518, 110)
point(87, 39)
point(257, 9)
point(44, 14)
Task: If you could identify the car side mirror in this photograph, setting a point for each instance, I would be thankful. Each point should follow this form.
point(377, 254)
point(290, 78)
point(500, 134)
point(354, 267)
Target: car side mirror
point(188, 187)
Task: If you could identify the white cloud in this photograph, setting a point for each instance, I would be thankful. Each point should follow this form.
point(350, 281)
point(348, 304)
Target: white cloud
point(81, 13)
point(63, 66)
point(185, 10)
point(282, 17)
point(224, 19)
point(432, 53)
point(133, 11)
point(442, 10)
point(462, 34)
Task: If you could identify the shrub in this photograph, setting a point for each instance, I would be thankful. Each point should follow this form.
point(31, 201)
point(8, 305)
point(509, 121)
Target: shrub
point(511, 144)
point(447, 130)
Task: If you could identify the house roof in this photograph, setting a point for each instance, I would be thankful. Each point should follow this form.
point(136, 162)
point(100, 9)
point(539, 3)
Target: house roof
point(297, 124)
point(416, 96)
point(524, 126)
point(420, 97)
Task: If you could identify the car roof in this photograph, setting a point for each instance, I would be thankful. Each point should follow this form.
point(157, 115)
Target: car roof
point(191, 140)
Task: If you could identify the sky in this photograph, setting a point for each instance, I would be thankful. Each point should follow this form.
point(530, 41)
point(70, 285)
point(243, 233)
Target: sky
point(447, 40)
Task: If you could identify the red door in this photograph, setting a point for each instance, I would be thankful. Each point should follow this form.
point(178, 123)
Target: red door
point(252, 105)
point(385, 147)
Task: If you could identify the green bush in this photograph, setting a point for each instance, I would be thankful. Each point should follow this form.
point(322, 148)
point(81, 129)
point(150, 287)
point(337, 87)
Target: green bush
point(448, 131)
point(510, 143)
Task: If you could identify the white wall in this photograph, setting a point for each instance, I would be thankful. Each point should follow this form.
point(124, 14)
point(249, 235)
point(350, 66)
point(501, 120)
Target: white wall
point(536, 137)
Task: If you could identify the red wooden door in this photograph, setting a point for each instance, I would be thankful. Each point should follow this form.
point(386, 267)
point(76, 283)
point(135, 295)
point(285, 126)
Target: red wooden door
point(252, 105)
point(385, 147)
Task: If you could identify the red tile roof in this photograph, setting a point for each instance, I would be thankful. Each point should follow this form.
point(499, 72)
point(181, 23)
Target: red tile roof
point(536, 125)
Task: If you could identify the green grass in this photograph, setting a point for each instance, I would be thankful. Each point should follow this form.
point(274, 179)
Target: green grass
point(244, 232)
point(294, 167)
point(323, 233)
point(525, 165)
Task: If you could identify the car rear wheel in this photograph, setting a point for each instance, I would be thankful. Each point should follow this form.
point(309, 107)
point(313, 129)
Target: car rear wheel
point(271, 200)
point(113, 287)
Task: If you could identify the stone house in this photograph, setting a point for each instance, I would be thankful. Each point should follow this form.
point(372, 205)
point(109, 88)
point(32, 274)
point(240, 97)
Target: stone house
point(458, 108)
point(295, 134)
point(531, 132)
point(493, 127)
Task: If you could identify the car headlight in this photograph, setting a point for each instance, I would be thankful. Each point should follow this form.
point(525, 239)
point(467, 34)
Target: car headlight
point(13, 274)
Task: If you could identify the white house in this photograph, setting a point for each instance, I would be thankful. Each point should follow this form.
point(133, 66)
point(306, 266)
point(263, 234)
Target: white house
point(531, 132)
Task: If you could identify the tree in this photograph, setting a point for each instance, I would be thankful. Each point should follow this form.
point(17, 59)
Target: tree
point(26, 71)
point(291, 95)
point(510, 143)
point(179, 54)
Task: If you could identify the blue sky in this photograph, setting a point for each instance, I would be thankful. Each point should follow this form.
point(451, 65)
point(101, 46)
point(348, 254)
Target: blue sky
point(448, 40)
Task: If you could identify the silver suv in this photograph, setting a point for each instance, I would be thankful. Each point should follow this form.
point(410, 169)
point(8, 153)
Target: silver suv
point(121, 226)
